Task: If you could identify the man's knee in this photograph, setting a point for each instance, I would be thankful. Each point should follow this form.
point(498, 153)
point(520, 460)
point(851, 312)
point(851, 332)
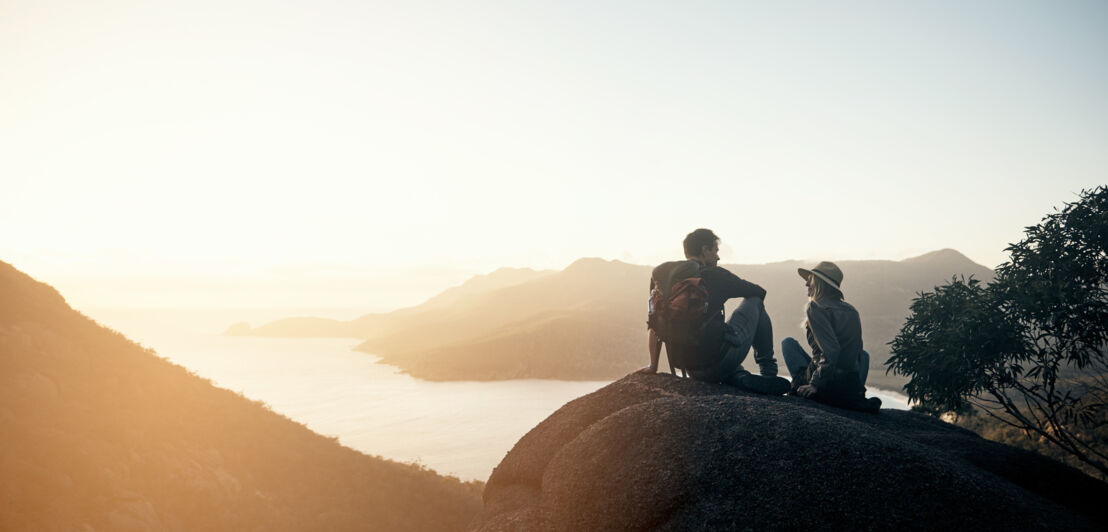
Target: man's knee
point(750, 308)
point(789, 343)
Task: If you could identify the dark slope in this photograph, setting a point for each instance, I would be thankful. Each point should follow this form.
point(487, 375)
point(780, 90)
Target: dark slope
point(99, 432)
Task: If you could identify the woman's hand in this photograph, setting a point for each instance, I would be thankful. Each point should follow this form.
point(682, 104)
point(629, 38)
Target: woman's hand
point(806, 391)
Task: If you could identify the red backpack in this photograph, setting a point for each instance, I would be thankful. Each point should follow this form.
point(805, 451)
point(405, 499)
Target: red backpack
point(678, 305)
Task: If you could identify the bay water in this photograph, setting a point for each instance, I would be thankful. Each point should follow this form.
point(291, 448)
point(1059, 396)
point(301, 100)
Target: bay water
point(459, 428)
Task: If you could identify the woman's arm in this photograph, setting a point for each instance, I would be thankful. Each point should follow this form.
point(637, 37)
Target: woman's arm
point(824, 333)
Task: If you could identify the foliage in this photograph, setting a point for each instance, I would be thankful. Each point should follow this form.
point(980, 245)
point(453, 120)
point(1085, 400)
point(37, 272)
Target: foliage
point(1028, 349)
point(989, 427)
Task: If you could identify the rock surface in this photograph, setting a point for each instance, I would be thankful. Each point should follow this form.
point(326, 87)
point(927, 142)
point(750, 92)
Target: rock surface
point(652, 452)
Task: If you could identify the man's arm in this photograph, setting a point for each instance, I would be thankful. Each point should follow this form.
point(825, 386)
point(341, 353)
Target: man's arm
point(731, 285)
point(654, 345)
point(653, 341)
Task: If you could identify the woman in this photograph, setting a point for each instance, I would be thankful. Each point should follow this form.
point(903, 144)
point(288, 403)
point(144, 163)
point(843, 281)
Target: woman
point(836, 372)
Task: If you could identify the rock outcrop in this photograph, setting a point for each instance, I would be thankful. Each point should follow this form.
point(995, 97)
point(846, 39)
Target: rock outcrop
point(652, 452)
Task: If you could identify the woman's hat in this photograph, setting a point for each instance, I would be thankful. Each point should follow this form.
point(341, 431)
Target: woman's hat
point(827, 271)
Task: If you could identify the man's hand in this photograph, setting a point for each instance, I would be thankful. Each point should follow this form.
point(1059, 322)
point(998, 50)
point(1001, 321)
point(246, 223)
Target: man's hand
point(649, 370)
point(806, 391)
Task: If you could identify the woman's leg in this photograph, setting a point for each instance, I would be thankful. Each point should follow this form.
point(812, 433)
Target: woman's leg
point(796, 359)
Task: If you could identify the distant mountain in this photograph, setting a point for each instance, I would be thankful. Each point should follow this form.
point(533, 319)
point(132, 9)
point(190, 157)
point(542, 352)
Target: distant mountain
point(881, 290)
point(587, 321)
point(102, 434)
point(377, 323)
point(502, 278)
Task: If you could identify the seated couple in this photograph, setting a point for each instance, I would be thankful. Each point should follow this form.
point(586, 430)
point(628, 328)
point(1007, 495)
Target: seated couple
point(686, 315)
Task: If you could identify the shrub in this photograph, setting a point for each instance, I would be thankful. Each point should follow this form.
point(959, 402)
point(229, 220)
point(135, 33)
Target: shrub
point(1029, 348)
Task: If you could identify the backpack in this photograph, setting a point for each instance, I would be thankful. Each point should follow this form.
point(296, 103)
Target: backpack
point(678, 308)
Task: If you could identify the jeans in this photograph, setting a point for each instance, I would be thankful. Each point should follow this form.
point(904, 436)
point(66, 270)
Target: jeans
point(797, 361)
point(752, 328)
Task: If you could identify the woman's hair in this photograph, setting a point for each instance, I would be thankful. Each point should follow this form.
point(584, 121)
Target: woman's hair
point(822, 290)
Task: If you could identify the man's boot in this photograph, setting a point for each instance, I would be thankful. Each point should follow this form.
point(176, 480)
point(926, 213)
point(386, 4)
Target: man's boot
point(764, 385)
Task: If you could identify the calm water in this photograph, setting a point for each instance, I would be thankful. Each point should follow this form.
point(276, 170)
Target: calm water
point(456, 428)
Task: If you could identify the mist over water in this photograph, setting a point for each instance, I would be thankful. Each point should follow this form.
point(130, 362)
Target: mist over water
point(460, 428)
point(456, 428)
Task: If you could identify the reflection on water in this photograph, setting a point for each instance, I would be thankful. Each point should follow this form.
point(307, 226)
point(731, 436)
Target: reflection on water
point(457, 428)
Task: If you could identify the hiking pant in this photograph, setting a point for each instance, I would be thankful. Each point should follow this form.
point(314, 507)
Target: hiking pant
point(749, 327)
point(797, 361)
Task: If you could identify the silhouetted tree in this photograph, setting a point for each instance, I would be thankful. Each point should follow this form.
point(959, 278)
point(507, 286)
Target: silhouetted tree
point(1028, 349)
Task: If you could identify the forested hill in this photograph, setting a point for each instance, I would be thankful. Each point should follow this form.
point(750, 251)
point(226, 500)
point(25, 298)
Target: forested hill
point(102, 434)
point(587, 321)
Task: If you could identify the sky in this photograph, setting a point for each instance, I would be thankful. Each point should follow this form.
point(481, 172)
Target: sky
point(362, 154)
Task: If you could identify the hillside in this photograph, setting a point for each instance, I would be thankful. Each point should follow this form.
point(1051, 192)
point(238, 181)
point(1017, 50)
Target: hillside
point(102, 434)
point(553, 324)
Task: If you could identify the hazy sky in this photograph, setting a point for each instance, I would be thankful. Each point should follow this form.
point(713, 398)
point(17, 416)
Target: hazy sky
point(349, 153)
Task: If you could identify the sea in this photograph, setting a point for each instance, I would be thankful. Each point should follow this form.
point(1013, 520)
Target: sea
point(457, 428)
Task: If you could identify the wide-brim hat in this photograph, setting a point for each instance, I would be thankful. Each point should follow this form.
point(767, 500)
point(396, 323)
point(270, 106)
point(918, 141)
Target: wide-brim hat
point(826, 271)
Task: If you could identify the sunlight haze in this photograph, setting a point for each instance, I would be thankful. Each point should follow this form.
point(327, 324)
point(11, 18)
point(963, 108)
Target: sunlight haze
point(370, 154)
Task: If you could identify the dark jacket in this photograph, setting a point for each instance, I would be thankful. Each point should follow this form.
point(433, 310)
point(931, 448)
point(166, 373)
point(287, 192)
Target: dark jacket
point(721, 286)
point(834, 333)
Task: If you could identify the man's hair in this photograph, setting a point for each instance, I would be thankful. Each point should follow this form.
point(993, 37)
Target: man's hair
point(696, 240)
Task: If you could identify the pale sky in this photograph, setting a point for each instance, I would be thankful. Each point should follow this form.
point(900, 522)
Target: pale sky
point(369, 154)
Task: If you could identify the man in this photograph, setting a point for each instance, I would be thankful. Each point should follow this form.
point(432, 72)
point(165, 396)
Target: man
point(722, 346)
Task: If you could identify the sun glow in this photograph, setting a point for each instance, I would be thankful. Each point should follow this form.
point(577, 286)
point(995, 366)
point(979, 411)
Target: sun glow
point(205, 143)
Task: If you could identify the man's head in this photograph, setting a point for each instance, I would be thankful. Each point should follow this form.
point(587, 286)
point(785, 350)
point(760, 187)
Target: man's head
point(702, 246)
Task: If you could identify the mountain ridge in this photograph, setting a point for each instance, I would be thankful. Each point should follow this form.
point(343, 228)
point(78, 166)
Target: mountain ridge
point(427, 340)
